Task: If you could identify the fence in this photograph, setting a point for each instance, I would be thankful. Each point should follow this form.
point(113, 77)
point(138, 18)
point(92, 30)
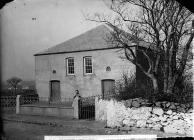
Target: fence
point(45, 101)
point(86, 105)
point(8, 104)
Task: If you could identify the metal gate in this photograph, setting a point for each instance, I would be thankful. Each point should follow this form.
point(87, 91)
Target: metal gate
point(87, 108)
point(87, 105)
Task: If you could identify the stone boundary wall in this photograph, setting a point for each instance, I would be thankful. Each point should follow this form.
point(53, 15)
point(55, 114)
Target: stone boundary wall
point(165, 116)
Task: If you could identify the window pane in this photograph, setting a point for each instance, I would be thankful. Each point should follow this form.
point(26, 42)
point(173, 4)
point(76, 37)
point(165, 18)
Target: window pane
point(88, 64)
point(70, 64)
point(88, 61)
point(88, 69)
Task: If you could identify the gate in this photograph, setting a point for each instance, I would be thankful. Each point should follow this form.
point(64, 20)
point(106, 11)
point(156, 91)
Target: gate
point(87, 105)
point(87, 108)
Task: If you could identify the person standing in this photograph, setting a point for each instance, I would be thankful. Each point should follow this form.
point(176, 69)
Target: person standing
point(76, 94)
point(75, 104)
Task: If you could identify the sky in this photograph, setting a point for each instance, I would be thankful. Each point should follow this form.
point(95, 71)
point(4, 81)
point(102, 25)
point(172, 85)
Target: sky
point(31, 26)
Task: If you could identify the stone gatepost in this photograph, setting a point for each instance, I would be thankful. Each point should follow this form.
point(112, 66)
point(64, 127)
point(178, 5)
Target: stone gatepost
point(18, 104)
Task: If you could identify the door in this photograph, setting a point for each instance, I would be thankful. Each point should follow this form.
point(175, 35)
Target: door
point(108, 87)
point(55, 91)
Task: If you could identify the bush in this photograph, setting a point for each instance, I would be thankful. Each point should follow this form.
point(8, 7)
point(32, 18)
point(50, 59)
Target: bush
point(27, 92)
point(29, 98)
point(7, 93)
point(127, 88)
point(183, 91)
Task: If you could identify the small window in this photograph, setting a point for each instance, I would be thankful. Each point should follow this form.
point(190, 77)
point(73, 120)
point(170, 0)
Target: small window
point(88, 65)
point(108, 68)
point(70, 66)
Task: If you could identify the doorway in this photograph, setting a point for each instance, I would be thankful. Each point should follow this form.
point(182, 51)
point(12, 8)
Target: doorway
point(108, 87)
point(55, 95)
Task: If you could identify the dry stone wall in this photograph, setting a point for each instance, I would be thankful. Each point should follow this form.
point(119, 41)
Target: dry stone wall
point(165, 116)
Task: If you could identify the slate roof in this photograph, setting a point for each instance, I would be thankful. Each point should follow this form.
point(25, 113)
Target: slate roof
point(94, 39)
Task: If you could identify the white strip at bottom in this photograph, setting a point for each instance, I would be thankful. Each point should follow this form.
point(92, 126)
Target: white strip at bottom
point(101, 137)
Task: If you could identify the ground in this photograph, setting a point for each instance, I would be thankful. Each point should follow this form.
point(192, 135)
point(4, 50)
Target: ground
point(23, 127)
point(21, 131)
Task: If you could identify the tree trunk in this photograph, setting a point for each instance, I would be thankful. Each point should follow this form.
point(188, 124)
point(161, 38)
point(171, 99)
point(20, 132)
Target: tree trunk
point(155, 85)
point(165, 85)
point(15, 88)
point(170, 88)
point(15, 91)
point(155, 88)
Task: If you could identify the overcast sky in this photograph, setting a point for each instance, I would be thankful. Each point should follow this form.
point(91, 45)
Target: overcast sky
point(30, 26)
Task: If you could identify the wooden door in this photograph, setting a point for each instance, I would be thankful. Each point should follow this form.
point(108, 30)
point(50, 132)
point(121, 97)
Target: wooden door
point(108, 87)
point(55, 91)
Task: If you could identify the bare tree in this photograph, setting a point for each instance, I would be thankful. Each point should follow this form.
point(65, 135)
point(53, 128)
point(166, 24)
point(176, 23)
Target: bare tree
point(162, 27)
point(13, 82)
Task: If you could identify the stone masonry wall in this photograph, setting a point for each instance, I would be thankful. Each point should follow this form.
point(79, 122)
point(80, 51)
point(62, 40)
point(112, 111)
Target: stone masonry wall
point(165, 116)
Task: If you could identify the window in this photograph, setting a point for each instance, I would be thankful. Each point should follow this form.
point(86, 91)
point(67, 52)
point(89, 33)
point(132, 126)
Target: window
point(70, 66)
point(88, 65)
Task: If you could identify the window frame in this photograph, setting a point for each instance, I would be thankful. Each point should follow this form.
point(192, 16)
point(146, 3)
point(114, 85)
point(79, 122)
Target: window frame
point(67, 66)
point(84, 65)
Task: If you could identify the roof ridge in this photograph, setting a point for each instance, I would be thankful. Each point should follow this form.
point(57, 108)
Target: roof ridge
point(77, 36)
point(92, 39)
